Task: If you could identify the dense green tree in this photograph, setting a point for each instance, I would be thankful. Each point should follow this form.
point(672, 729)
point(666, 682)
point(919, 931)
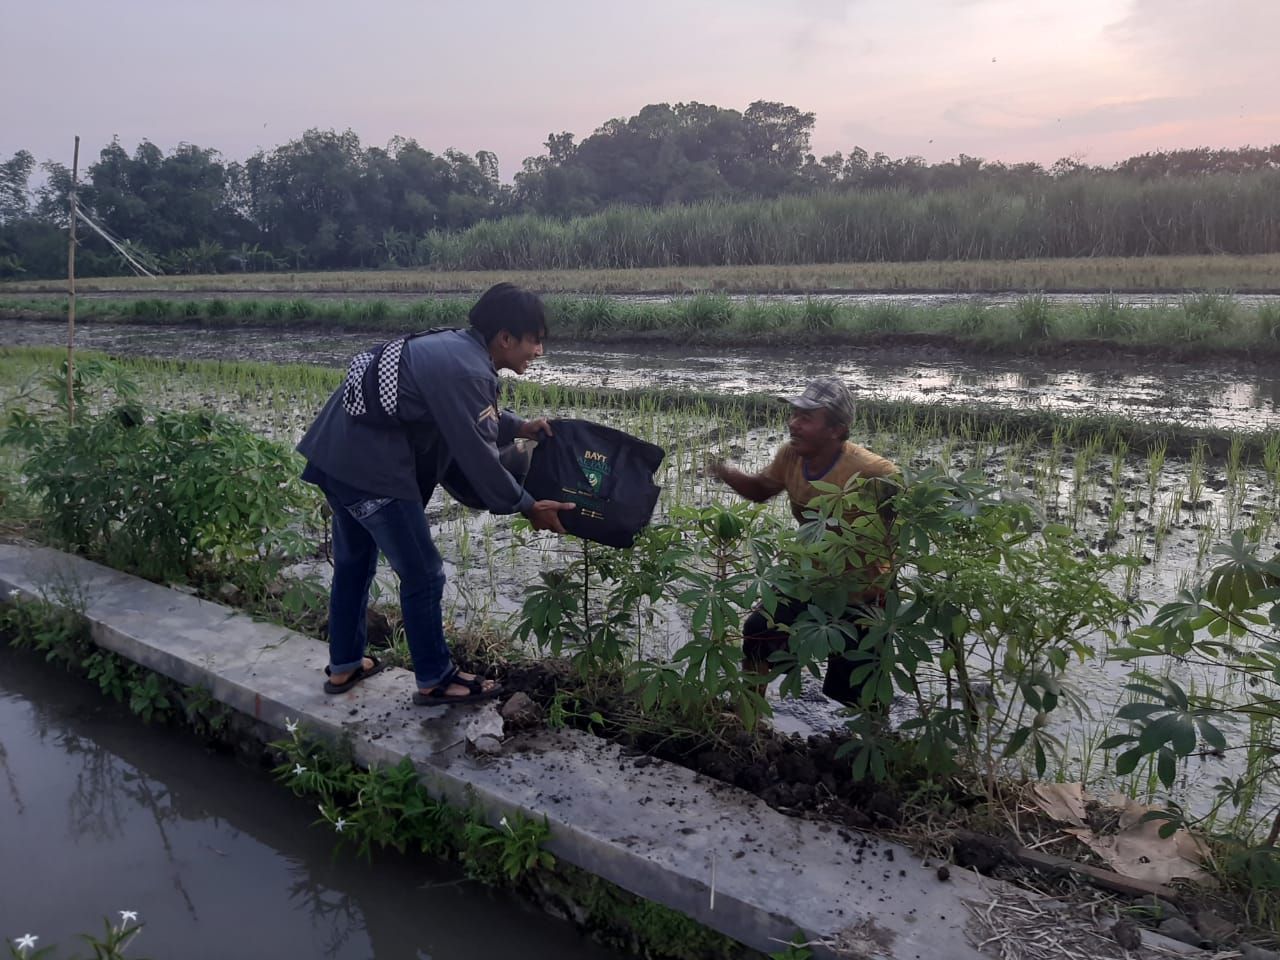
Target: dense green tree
point(324, 200)
point(15, 175)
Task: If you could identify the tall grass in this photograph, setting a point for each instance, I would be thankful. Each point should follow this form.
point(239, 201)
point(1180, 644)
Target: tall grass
point(1072, 217)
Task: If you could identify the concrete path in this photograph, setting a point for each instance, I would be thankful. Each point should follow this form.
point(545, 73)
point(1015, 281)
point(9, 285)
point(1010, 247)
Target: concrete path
point(709, 850)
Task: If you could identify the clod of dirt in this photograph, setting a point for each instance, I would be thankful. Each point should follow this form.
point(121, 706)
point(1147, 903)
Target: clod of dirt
point(753, 778)
point(717, 764)
point(884, 807)
point(801, 795)
point(980, 853)
point(854, 817)
point(944, 873)
point(486, 746)
point(520, 712)
point(797, 768)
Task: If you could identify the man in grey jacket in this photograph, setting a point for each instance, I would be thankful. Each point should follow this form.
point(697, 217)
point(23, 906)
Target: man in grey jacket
point(437, 396)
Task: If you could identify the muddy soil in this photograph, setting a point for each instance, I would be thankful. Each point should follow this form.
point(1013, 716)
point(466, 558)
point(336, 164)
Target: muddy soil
point(807, 777)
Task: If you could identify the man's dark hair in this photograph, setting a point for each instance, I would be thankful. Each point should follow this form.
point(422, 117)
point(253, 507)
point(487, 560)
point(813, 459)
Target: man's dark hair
point(504, 306)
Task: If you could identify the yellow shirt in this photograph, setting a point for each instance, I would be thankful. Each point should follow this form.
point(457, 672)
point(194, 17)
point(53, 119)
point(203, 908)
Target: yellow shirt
point(788, 470)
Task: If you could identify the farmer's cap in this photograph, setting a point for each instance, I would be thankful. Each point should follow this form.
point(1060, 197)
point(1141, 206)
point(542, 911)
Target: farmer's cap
point(829, 393)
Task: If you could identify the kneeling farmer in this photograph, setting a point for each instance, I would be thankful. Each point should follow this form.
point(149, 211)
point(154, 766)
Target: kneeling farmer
point(438, 405)
point(818, 450)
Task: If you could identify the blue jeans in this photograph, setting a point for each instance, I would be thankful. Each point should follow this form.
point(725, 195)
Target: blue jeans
point(397, 528)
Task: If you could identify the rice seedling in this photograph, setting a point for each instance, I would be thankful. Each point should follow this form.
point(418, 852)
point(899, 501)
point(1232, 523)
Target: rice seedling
point(1155, 467)
point(1267, 322)
point(1033, 318)
point(1210, 310)
point(1109, 319)
point(154, 309)
point(1208, 536)
point(880, 318)
point(1195, 479)
point(819, 315)
point(970, 321)
point(1166, 520)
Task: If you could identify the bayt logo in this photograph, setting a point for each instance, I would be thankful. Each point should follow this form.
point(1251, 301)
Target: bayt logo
point(596, 467)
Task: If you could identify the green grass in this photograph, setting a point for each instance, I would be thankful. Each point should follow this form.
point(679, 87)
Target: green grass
point(1086, 273)
point(1193, 327)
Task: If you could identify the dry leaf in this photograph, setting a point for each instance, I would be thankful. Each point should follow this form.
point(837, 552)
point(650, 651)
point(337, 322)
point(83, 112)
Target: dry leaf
point(1138, 850)
point(1063, 802)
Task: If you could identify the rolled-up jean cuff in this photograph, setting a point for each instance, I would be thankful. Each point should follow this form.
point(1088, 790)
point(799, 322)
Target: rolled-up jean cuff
point(345, 667)
point(438, 680)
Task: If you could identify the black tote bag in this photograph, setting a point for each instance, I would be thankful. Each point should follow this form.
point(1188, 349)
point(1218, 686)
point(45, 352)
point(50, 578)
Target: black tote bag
point(608, 474)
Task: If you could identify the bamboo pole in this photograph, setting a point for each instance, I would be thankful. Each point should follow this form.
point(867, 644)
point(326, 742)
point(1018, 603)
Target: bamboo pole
point(71, 289)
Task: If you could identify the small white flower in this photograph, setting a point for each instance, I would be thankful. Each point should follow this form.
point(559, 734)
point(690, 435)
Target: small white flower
point(503, 823)
point(291, 726)
point(128, 916)
point(299, 769)
point(339, 824)
point(26, 941)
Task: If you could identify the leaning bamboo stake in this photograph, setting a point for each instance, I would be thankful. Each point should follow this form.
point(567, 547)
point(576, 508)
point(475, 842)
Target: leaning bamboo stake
point(71, 289)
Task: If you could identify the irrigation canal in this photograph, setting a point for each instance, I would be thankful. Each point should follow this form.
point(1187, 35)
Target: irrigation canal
point(103, 814)
point(1118, 385)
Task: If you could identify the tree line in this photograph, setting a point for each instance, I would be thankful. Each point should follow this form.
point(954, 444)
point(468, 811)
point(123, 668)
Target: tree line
point(325, 201)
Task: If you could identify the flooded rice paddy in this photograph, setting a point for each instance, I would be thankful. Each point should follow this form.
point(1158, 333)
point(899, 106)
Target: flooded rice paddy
point(1121, 385)
point(1167, 511)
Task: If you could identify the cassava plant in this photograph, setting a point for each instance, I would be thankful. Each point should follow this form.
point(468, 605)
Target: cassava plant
point(985, 609)
point(1229, 623)
point(166, 495)
point(725, 550)
point(590, 606)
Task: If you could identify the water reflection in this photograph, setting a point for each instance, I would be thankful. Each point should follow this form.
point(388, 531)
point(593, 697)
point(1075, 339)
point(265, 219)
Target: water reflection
point(1215, 396)
point(104, 814)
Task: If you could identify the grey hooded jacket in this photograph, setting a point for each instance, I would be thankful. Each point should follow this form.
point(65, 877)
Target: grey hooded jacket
point(448, 412)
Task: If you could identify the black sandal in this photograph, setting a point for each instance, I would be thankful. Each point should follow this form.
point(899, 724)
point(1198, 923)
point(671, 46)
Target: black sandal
point(475, 691)
point(358, 674)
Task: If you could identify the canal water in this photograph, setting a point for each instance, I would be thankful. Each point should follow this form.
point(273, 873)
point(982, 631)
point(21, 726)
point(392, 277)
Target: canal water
point(100, 813)
point(1237, 396)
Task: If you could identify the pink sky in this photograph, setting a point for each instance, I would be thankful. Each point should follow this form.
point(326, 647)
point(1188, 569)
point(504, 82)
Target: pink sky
point(1008, 80)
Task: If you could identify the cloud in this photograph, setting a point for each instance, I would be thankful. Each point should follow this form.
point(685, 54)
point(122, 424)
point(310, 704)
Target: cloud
point(822, 31)
point(1002, 116)
point(1191, 42)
